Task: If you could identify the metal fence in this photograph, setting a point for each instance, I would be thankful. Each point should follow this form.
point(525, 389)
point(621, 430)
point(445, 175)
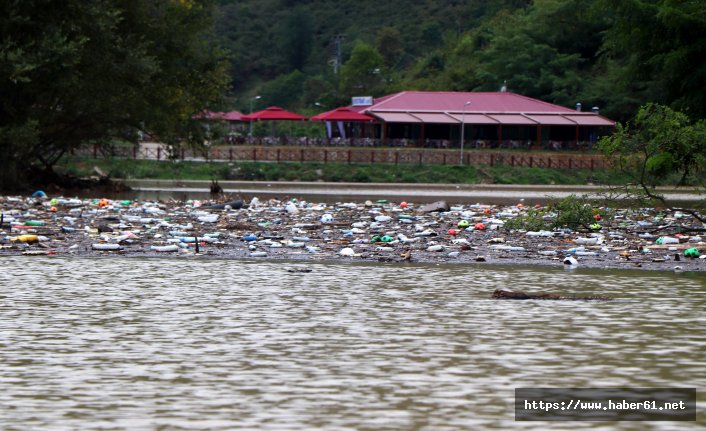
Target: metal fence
point(396, 156)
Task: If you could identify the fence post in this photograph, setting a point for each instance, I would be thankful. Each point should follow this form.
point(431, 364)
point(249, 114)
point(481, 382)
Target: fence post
point(134, 152)
point(397, 157)
point(592, 160)
point(492, 160)
point(549, 162)
point(531, 161)
point(254, 154)
point(159, 153)
point(420, 157)
point(183, 153)
point(349, 157)
point(372, 156)
point(95, 151)
point(325, 155)
point(512, 161)
point(278, 154)
point(301, 155)
point(570, 162)
point(230, 154)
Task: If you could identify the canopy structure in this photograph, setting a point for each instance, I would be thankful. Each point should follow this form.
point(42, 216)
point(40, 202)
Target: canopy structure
point(482, 117)
point(273, 113)
point(342, 114)
point(503, 108)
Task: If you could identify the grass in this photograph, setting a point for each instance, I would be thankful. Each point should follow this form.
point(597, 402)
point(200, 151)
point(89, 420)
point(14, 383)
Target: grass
point(337, 172)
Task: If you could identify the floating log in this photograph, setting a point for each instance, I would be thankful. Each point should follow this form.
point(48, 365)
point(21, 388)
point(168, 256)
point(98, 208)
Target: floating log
point(509, 294)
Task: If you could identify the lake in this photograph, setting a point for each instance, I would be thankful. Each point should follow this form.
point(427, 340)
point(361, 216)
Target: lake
point(204, 344)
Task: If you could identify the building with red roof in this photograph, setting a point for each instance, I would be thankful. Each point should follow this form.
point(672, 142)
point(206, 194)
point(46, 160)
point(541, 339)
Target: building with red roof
point(486, 120)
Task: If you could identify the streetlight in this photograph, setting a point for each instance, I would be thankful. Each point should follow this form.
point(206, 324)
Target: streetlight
point(463, 127)
point(251, 100)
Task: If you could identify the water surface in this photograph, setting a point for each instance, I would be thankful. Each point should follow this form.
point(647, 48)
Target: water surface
point(192, 344)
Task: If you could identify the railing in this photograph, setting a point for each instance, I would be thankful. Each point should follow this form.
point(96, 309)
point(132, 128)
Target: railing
point(349, 155)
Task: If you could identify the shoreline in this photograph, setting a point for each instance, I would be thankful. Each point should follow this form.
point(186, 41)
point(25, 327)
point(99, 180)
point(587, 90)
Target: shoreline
point(417, 192)
point(370, 232)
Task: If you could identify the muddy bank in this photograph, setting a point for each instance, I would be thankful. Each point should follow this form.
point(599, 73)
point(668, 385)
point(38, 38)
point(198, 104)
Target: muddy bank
point(378, 231)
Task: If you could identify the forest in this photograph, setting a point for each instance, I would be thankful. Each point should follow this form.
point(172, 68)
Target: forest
point(74, 73)
point(614, 54)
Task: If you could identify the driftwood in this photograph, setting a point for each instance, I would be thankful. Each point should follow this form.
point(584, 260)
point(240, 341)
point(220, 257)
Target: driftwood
point(509, 294)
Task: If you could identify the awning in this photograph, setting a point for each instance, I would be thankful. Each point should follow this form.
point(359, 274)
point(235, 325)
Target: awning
point(474, 119)
point(513, 119)
point(274, 113)
point(341, 114)
point(434, 118)
point(396, 117)
point(551, 120)
point(590, 120)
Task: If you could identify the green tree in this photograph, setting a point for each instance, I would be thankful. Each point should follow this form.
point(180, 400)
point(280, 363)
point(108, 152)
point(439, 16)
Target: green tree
point(389, 45)
point(75, 72)
point(544, 51)
point(296, 39)
point(657, 146)
point(361, 74)
point(657, 48)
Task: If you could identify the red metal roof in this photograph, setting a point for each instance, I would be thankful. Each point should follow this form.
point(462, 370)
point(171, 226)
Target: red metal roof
point(273, 113)
point(481, 102)
point(477, 108)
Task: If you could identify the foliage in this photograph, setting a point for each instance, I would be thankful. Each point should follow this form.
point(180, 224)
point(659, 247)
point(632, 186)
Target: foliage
point(613, 54)
point(660, 47)
point(657, 144)
point(361, 74)
point(74, 72)
point(336, 172)
point(574, 212)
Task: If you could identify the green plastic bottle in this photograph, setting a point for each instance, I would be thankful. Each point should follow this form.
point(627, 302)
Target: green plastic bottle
point(692, 252)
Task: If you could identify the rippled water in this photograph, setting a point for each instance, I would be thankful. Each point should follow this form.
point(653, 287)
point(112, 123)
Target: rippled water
point(174, 344)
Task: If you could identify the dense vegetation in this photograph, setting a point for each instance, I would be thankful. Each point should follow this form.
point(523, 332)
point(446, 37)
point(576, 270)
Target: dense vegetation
point(337, 172)
point(75, 72)
point(614, 54)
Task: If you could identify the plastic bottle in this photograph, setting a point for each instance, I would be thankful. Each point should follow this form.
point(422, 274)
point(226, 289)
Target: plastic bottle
point(104, 247)
point(692, 252)
point(165, 248)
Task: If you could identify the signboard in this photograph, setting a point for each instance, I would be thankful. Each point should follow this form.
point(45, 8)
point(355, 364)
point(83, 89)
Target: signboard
point(362, 101)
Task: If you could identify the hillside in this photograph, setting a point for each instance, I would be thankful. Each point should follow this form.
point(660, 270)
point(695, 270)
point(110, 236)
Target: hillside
point(300, 53)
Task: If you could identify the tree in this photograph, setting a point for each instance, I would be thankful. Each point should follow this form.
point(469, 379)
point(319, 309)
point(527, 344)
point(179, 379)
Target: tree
point(389, 45)
point(296, 39)
point(361, 74)
point(660, 145)
point(77, 72)
point(660, 46)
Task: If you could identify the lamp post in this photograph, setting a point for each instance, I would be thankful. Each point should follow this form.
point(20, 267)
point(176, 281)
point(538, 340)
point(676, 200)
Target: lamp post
point(251, 100)
point(463, 127)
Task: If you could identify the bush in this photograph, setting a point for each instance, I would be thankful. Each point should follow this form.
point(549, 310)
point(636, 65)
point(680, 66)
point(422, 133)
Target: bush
point(571, 212)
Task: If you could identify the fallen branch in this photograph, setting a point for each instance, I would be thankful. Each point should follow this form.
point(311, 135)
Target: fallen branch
point(509, 294)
